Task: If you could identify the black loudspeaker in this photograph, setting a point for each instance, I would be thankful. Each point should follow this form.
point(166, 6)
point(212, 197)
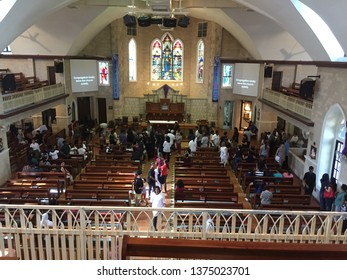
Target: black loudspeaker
point(306, 88)
point(156, 20)
point(9, 82)
point(183, 22)
point(129, 20)
point(268, 72)
point(169, 22)
point(59, 67)
point(144, 21)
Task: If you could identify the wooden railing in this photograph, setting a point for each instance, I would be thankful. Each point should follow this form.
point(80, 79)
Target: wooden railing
point(20, 99)
point(294, 104)
point(96, 232)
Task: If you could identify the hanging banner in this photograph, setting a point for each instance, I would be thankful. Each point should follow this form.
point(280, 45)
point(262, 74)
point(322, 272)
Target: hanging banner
point(115, 77)
point(216, 79)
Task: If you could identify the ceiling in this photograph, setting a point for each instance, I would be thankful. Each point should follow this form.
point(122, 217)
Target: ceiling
point(268, 29)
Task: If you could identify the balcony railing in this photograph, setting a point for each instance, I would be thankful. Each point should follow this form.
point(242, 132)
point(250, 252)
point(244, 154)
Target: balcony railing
point(56, 232)
point(294, 104)
point(24, 98)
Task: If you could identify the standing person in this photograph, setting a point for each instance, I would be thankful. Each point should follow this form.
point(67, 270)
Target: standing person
point(224, 155)
point(215, 139)
point(280, 155)
point(325, 182)
point(179, 138)
point(167, 148)
point(235, 138)
point(329, 194)
point(340, 198)
point(193, 146)
point(164, 172)
point(264, 149)
point(309, 181)
point(138, 186)
point(204, 141)
point(157, 201)
point(151, 179)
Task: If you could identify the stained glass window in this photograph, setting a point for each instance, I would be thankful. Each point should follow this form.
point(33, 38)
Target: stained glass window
point(132, 60)
point(200, 62)
point(167, 59)
point(227, 75)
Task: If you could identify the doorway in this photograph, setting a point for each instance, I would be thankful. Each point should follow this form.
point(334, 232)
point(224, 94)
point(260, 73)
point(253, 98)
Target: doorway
point(102, 110)
point(84, 111)
point(246, 114)
point(228, 114)
point(51, 75)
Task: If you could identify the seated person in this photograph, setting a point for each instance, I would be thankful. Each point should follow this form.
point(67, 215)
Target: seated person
point(278, 175)
point(266, 196)
point(179, 186)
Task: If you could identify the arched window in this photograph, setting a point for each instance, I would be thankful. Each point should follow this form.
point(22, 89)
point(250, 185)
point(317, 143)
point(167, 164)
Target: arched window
point(167, 59)
point(132, 60)
point(200, 62)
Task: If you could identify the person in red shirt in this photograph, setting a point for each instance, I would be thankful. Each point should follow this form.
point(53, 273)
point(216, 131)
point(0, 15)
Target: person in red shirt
point(164, 172)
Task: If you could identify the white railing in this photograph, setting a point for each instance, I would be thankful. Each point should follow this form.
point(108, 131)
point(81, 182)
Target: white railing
point(293, 104)
point(96, 232)
point(24, 98)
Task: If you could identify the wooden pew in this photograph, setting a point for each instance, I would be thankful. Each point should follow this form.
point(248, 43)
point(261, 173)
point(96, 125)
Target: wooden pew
point(277, 189)
point(228, 250)
point(283, 199)
point(246, 180)
point(206, 196)
point(204, 181)
point(209, 204)
point(290, 207)
point(125, 177)
point(203, 172)
point(111, 169)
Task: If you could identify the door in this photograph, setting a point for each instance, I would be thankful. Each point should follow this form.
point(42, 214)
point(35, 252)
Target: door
point(228, 114)
point(102, 110)
point(276, 80)
point(51, 75)
point(84, 112)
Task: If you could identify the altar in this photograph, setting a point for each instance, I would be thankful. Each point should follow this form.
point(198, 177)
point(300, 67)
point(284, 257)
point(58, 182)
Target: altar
point(165, 105)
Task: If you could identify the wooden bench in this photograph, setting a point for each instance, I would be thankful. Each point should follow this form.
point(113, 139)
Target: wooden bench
point(290, 207)
point(202, 172)
point(228, 250)
point(283, 199)
point(276, 189)
point(112, 169)
point(126, 177)
point(209, 204)
point(266, 179)
point(206, 196)
point(204, 181)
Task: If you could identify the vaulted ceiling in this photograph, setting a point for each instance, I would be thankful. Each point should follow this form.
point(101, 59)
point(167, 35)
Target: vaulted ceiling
point(268, 29)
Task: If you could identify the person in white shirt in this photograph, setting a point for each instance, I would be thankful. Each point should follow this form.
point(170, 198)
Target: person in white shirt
point(82, 151)
point(193, 145)
point(215, 139)
point(167, 148)
point(54, 154)
point(204, 141)
point(224, 155)
point(34, 145)
point(172, 137)
point(157, 201)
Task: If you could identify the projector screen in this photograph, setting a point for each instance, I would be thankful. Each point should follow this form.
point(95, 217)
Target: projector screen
point(246, 79)
point(84, 76)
